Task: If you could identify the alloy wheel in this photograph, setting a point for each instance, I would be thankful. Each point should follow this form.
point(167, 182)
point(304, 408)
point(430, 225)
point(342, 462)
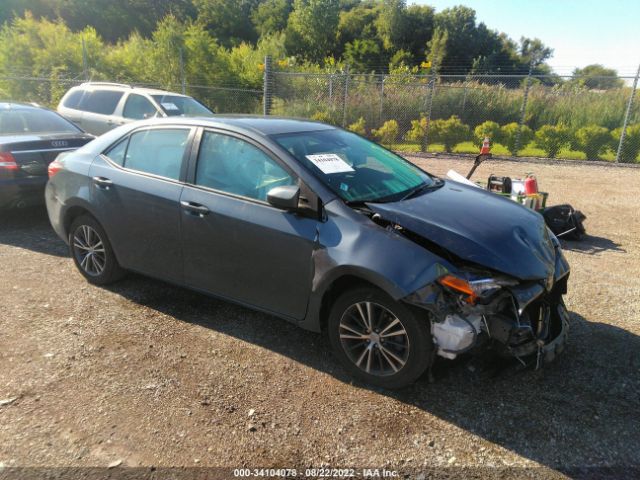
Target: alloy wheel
point(374, 339)
point(89, 250)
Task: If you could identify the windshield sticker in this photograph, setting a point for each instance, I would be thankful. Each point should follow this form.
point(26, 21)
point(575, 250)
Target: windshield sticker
point(344, 187)
point(330, 163)
point(169, 106)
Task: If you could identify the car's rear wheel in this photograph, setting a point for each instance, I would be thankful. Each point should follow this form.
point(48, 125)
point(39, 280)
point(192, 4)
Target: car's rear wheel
point(92, 252)
point(379, 340)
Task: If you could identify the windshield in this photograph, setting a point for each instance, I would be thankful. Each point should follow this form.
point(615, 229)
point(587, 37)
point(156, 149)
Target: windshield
point(354, 168)
point(175, 105)
point(34, 121)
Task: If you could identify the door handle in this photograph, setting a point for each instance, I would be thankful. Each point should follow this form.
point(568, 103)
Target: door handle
point(194, 208)
point(102, 182)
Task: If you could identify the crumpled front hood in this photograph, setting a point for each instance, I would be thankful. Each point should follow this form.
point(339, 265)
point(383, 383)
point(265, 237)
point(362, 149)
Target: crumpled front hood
point(479, 227)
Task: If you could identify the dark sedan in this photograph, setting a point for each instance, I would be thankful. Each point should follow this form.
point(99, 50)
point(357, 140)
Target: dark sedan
point(31, 138)
point(323, 228)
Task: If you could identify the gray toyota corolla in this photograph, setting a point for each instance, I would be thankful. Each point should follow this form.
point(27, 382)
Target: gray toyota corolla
point(321, 227)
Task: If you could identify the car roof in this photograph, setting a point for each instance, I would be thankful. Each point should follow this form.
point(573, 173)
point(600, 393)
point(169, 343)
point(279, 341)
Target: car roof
point(254, 123)
point(6, 105)
point(122, 87)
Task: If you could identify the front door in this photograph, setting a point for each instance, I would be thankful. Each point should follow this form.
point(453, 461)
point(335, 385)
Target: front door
point(235, 244)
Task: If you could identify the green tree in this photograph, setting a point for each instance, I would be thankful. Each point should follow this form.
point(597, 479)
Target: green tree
point(311, 28)
point(597, 77)
point(509, 136)
point(391, 23)
point(437, 48)
point(271, 16)
point(229, 21)
point(551, 138)
point(388, 132)
point(417, 31)
point(631, 145)
point(362, 55)
point(449, 132)
point(358, 23)
point(534, 51)
point(592, 140)
point(488, 129)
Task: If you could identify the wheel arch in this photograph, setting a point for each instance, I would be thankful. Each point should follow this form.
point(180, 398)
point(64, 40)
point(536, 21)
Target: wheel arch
point(324, 295)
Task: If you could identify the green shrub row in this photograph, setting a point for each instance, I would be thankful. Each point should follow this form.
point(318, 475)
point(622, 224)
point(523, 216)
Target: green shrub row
point(593, 140)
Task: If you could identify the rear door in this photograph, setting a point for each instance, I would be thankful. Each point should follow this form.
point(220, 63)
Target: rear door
point(98, 107)
point(136, 188)
point(235, 244)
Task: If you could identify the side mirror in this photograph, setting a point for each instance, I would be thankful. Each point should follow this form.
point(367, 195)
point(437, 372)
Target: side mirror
point(285, 197)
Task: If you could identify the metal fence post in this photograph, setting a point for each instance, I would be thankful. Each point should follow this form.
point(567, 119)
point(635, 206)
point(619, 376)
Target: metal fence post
point(464, 97)
point(346, 96)
point(381, 112)
point(331, 89)
point(267, 84)
point(183, 79)
point(85, 63)
point(523, 110)
point(627, 114)
point(432, 86)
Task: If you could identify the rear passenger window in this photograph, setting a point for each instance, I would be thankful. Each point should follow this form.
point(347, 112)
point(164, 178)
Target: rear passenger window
point(138, 107)
point(157, 151)
point(73, 99)
point(101, 101)
point(116, 153)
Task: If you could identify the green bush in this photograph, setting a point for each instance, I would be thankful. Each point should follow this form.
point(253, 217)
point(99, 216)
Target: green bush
point(321, 116)
point(551, 138)
point(449, 132)
point(592, 140)
point(631, 146)
point(488, 129)
point(417, 132)
point(359, 127)
point(388, 132)
point(509, 136)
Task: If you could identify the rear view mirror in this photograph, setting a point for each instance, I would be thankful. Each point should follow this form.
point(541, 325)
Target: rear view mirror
point(285, 197)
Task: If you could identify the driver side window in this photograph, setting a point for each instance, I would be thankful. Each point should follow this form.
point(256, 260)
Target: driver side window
point(234, 166)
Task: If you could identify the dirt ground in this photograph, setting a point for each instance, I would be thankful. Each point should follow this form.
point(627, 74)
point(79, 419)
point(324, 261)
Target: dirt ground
point(148, 374)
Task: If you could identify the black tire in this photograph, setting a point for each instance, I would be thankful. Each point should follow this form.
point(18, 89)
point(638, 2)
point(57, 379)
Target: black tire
point(414, 348)
point(103, 268)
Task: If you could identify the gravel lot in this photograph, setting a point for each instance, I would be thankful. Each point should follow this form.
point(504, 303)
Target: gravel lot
point(148, 374)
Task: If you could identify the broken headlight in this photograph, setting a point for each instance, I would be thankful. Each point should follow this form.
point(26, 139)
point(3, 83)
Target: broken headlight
point(474, 287)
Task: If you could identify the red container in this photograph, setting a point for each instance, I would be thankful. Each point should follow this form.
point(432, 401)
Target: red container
point(530, 185)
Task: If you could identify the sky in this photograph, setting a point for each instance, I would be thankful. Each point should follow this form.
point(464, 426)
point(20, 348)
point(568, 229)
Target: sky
point(581, 32)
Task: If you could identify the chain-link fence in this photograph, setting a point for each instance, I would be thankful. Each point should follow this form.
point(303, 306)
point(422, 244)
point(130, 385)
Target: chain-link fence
point(47, 90)
point(540, 116)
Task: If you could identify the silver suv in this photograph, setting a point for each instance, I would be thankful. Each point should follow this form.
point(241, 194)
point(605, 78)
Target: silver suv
point(97, 107)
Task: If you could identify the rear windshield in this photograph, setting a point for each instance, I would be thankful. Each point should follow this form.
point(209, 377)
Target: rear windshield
point(174, 105)
point(34, 121)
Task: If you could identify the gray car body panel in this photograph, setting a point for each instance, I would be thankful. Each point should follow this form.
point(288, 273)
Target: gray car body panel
point(343, 242)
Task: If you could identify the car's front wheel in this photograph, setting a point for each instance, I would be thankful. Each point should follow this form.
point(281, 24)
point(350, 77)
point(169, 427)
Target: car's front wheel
point(92, 252)
point(379, 340)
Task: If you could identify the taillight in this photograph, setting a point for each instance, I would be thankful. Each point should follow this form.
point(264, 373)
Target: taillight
point(54, 167)
point(7, 162)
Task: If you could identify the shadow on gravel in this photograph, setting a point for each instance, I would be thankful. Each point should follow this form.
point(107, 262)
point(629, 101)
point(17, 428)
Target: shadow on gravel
point(578, 412)
point(592, 245)
point(30, 228)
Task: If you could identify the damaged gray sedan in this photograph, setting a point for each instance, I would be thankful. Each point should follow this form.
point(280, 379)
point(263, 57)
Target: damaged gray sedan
point(321, 227)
